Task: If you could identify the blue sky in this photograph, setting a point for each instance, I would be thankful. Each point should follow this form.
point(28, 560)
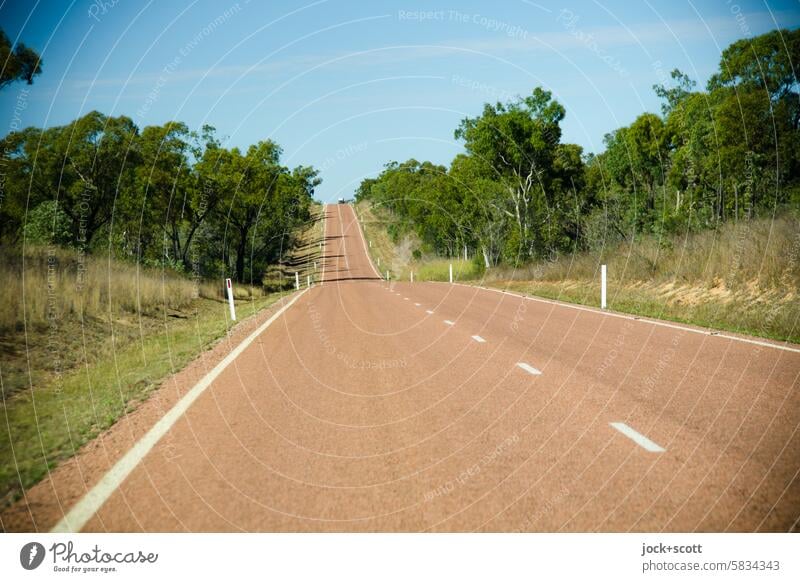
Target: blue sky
point(347, 86)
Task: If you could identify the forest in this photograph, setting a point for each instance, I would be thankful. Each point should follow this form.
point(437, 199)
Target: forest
point(519, 194)
point(161, 196)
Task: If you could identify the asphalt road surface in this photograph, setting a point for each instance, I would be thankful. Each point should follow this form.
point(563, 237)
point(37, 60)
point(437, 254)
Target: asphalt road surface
point(375, 406)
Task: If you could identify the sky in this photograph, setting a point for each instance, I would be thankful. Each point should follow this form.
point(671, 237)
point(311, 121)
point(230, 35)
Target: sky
point(348, 86)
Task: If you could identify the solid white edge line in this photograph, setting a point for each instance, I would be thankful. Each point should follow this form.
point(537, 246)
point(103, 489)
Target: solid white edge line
point(529, 369)
point(479, 339)
point(638, 438)
point(94, 499)
point(710, 333)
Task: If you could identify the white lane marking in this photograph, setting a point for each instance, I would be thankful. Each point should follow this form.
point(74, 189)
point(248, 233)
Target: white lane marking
point(94, 499)
point(405, 298)
point(639, 439)
point(418, 304)
point(448, 322)
point(429, 312)
point(479, 339)
point(324, 242)
point(712, 333)
point(529, 369)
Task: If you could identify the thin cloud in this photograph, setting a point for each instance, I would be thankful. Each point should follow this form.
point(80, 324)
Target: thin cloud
point(607, 37)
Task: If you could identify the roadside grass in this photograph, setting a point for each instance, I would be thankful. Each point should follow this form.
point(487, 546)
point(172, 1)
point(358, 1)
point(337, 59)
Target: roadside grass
point(385, 255)
point(439, 270)
point(59, 309)
point(84, 340)
point(743, 277)
point(49, 422)
point(42, 283)
point(305, 258)
point(767, 315)
point(760, 254)
point(400, 257)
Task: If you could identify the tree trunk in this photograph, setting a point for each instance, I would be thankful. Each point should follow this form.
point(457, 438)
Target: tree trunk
point(240, 253)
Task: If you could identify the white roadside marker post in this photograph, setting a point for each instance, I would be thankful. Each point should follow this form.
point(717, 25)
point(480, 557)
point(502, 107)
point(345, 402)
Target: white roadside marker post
point(387, 275)
point(370, 244)
point(297, 280)
point(451, 272)
point(379, 261)
point(602, 286)
point(308, 280)
point(412, 276)
point(229, 287)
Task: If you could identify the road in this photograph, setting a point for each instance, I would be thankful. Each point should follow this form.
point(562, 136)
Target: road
point(375, 406)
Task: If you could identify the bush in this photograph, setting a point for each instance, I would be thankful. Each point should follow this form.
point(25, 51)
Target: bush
point(48, 224)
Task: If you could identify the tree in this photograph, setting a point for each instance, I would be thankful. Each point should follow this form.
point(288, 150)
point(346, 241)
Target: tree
point(518, 140)
point(637, 160)
point(261, 202)
point(18, 63)
point(483, 206)
point(768, 62)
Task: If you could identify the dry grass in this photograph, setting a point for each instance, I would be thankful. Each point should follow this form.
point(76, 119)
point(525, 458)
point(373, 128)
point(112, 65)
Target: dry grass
point(60, 310)
point(384, 253)
point(305, 258)
point(46, 284)
point(743, 278)
point(762, 254)
point(399, 258)
point(91, 338)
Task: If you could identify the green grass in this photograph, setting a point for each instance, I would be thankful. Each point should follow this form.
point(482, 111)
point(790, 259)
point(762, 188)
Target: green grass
point(48, 423)
point(778, 319)
point(93, 339)
point(439, 270)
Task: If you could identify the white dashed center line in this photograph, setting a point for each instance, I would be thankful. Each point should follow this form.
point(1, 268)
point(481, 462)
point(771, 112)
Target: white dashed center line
point(639, 439)
point(479, 339)
point(448, 322)
point(529, 369)
point(429, 312)
point(418, 304)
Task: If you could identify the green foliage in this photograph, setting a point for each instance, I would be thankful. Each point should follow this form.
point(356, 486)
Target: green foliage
point(48, 224)
point(161, 196)
point(519, 194)
point(19, 63)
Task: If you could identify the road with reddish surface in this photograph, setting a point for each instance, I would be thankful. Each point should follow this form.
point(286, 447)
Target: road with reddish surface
point(389, 406)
